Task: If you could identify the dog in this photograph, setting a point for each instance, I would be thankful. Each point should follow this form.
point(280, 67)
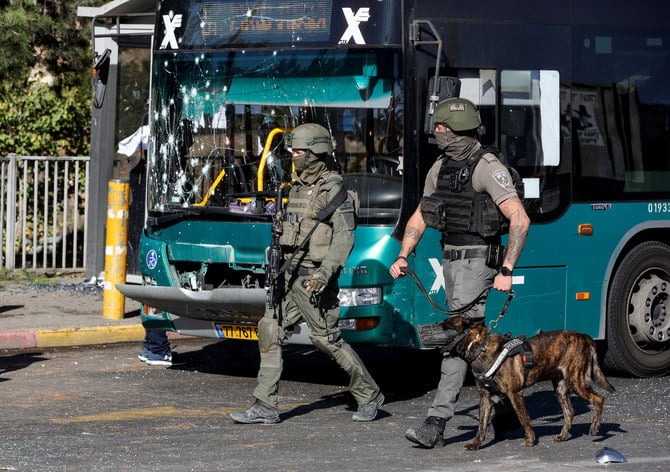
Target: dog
point(566, 358)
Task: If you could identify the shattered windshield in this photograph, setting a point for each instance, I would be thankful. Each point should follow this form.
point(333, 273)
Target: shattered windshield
point(218, 120)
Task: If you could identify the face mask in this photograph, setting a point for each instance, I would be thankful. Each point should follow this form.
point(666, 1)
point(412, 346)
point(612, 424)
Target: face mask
point(300, 162)
point(444, 138)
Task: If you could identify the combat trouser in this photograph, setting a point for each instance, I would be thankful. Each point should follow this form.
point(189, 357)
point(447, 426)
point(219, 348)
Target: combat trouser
point(464, 280)
point(325, 334)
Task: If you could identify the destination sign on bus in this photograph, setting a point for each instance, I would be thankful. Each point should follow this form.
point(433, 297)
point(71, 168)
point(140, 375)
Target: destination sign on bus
point(291, 21)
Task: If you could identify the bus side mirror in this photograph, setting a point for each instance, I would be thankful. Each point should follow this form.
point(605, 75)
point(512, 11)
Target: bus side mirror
point(443, 88)
point(100, 76)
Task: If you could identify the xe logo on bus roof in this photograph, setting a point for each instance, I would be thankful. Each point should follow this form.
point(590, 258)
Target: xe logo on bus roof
point(354, 21)
point(171, 22)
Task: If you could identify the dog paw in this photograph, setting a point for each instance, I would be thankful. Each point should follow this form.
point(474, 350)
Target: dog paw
point(473, 446)
point(560, 438)
point(528, 442)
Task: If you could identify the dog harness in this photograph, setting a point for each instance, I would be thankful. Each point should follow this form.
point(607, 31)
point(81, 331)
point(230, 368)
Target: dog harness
point(513, 347)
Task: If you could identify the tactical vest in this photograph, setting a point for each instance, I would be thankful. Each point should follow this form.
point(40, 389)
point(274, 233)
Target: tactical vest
point(300, 218)
point(472, 217)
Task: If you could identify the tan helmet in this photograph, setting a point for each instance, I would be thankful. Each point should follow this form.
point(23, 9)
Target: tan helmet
point(458, 114)
point(310, 136)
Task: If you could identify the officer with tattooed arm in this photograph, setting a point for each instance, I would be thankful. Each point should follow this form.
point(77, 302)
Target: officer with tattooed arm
point(316, 239)
point(469, 195)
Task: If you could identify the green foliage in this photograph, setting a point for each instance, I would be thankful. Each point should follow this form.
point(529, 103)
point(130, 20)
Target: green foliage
point(28, 277)
point(15, 37)
point(40, 122)
point(45, 91)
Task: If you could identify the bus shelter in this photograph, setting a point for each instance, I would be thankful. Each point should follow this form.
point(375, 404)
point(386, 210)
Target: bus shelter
point(122, 31)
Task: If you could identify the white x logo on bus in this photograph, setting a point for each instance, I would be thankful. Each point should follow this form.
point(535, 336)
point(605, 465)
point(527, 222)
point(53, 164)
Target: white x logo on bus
point(354, 20)
point(171, 22)
point(439, 275)
point(438, 283)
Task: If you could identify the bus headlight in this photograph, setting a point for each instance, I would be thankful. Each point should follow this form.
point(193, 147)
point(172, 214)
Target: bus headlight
point(147, 310)
point(360, 296)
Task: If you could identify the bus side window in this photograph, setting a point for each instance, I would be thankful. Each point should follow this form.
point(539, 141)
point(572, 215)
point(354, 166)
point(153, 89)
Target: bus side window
point(378, 194)
point(530, 117)
point(517, 135)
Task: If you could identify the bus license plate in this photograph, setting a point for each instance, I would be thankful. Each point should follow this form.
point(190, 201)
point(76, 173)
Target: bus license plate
point(249, 333)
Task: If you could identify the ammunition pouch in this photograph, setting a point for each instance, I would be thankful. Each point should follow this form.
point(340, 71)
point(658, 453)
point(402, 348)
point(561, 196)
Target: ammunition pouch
point(434, 212)
point(495, 256)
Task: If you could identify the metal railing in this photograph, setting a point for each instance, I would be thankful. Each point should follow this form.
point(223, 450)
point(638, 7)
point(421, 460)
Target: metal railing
point(44, 212)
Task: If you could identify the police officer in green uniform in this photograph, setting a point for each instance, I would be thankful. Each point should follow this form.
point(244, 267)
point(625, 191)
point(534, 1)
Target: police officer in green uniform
point(311, 288)
point(488, 191)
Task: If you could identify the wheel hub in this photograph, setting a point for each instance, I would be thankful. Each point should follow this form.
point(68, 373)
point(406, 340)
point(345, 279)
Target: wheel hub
point(650, 315)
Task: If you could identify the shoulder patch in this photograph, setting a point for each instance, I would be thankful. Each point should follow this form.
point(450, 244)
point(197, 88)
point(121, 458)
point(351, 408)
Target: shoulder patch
point(504, 179)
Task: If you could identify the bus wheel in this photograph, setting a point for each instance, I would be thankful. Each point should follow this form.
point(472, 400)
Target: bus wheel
point(638, 312)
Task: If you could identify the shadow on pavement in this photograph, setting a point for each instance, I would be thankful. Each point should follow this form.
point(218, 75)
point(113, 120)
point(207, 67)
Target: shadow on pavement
point(546, 419)
point(6, 308)
point(18, 362)
point(401, 373)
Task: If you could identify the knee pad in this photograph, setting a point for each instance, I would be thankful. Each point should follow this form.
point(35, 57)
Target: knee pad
point(268, 333)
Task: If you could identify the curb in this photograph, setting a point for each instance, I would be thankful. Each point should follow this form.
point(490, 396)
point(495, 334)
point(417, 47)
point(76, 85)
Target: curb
point(61, 337)
point(68, 337)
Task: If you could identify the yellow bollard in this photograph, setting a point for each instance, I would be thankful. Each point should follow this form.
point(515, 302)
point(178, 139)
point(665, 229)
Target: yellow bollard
point(114, 303)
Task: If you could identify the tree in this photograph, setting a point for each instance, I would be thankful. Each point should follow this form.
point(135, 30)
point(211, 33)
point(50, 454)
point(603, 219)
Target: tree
point(45, 82)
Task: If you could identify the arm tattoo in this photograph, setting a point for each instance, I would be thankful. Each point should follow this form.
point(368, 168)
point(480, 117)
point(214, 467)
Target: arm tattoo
point(516, 241)
point(413, 233)
point(518, 228)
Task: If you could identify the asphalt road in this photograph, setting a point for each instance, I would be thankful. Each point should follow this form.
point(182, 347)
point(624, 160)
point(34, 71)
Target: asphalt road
point(99, 408)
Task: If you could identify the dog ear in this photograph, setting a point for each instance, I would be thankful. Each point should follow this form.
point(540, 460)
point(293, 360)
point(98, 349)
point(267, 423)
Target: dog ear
point(458, 323)
point(455, 322)
point(447, 323)
point(476, 322)
point(467, 322)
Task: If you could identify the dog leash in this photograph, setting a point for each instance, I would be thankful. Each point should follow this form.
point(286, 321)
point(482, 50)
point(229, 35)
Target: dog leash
point(455, 311)
point(494, 323)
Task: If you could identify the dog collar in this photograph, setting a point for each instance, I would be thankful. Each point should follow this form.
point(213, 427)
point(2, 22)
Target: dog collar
point(456, 340)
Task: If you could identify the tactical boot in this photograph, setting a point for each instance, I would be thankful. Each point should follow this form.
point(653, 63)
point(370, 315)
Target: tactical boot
point(259, 412)
point(368, 411)
point(429, 433)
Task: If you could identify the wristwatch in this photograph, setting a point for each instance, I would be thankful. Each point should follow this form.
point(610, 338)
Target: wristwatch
point(504, 270)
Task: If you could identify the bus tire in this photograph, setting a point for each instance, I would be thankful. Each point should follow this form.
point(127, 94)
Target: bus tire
point(638, 312)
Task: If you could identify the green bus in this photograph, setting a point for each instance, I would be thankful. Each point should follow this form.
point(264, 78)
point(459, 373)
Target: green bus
point(574, 93)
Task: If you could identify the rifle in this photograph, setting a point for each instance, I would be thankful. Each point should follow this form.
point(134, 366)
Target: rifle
point(273, 280)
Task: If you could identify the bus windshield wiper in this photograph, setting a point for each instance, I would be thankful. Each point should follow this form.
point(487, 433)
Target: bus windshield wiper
point(178, 213)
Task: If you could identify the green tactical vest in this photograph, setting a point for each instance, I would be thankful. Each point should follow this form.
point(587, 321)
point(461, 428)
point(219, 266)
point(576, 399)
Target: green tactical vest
point(300, 218)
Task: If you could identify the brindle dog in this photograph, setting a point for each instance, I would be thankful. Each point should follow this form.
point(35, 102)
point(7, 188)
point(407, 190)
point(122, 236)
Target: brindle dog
point(566, 358)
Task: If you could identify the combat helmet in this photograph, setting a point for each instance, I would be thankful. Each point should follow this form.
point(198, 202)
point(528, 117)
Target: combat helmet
point(458, 114)
point(310, 136)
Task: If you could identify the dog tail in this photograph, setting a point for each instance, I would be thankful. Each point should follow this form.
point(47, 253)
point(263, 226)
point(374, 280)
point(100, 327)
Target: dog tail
point(597, 372)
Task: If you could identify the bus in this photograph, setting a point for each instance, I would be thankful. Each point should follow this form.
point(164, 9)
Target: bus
point(574, 93)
